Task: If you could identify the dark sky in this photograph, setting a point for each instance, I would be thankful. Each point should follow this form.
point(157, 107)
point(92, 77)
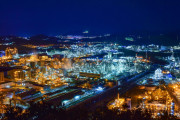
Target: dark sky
point(51, 17)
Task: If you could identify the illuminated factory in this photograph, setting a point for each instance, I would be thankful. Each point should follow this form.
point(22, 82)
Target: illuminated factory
point(50, 75)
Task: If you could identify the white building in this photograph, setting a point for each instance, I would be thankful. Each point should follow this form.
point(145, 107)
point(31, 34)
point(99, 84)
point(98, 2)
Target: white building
point(158, 74)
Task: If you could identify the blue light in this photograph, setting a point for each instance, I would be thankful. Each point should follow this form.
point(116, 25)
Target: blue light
point(77, 97)
point(99, 89)
point(8, 86)
point(65, 102)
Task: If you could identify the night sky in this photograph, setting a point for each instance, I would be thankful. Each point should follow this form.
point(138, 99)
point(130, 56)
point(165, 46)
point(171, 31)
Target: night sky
point(52, 17)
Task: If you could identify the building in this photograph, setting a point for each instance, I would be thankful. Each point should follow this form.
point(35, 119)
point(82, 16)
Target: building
point(9, 52)
point(6, 84)
point(158, 74)
point(9, 72)
point(1, 76)
point(90, 75)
